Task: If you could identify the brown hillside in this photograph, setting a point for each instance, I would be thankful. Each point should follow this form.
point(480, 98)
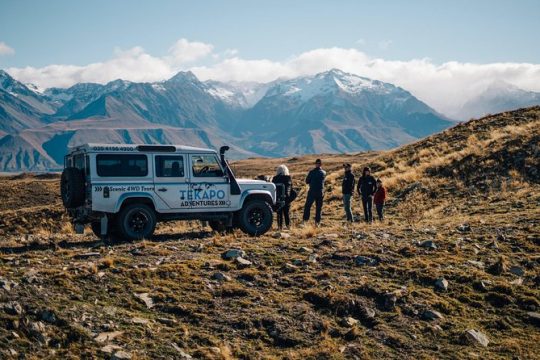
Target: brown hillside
point(464, 207)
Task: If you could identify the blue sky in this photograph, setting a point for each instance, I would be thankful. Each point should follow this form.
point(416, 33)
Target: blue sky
point(80, 32)
point(442, 51)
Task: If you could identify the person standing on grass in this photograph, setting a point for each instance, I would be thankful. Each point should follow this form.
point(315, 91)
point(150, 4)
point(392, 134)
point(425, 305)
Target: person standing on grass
point(347, 189)
point(315, 180)
point(379, 198)
point(283, 177)
point(366, 188)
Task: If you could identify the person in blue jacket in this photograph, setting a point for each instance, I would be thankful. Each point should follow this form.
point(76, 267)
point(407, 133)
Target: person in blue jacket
point(315, 180)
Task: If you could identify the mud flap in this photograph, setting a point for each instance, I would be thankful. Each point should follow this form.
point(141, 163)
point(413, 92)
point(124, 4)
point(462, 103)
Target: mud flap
point(104, 225)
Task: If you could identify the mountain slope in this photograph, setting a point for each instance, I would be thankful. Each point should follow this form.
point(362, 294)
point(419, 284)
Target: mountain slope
point(336, 112)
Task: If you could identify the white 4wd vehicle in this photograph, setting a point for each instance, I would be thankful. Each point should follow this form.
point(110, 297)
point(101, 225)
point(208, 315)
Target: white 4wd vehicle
point(125, 190)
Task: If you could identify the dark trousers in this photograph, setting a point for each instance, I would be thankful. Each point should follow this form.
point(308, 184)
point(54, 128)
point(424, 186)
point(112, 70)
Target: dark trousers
point(367, 204)
point(284, 213)
point(318, 200)
point(380, 208)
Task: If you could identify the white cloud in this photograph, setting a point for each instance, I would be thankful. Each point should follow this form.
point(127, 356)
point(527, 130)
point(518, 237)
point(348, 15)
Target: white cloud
point(5, 49)
point(443, 86)
point(184, 51)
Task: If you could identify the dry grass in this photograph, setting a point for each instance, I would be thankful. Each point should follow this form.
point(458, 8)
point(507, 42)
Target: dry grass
point(294, 299)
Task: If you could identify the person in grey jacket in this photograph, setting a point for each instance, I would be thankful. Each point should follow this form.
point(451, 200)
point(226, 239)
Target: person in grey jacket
point(315, 180)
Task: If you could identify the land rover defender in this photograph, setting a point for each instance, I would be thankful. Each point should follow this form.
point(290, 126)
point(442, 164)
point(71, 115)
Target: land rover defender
point(124, 190)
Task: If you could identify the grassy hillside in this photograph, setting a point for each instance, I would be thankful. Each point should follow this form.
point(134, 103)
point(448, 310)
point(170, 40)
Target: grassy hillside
point(464, 207)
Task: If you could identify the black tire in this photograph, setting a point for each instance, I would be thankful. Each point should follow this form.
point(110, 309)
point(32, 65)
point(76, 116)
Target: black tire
point(136, 222)
point(72, 187)
point(255, 217)
point(220, 227)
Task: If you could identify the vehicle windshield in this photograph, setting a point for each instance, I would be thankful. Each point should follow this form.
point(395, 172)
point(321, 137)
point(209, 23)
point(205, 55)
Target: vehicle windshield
point(206, 166)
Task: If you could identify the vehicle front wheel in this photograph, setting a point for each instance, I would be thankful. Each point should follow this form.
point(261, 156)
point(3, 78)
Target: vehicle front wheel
point(255, 217)
point(136, 222)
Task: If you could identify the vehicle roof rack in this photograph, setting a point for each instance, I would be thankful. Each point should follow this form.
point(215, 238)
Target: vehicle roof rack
point(157, 148)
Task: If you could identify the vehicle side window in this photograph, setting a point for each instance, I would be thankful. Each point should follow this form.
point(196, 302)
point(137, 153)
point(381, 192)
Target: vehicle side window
point(121, 165)
point(206, 166)
point(169, 166)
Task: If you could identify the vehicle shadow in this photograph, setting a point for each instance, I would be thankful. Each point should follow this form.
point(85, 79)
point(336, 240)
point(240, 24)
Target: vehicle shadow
point(98, 243)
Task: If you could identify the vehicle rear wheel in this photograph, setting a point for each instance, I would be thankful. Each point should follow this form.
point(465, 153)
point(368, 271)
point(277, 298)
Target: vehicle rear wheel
point(255, 217)
point(72, 187)
point(136, 222)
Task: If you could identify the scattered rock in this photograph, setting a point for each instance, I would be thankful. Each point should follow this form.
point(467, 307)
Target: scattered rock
point(37, 330)
point(13, 308)
point(297, 262)
point(49, 316)
point(242, 263)
point(477, 337)
point(349, 321)
point(281, 235)
point(289, 268)
point(441, 284)
point(516, 270)
point(306, 250)
point(534, 317)
point(232, 254)
point(145, 298)
point(364, 260)
point(138, 320)
point(428, 244)
point(477, 264)
point(167, 321)
point(7, 284)
point(86, 255)
point(221, 277)
point(518, 281)
point(121, 355)
point(330, 236)
point(464, 228)
point(181, 353)
point(109, 349)
point(107, 336)
point(432, 315)
point(312, 258)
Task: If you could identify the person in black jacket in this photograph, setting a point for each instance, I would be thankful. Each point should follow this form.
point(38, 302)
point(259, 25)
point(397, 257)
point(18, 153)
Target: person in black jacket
point(283, 177)
point(347, 189)
point(315, 180)
point(367, 186)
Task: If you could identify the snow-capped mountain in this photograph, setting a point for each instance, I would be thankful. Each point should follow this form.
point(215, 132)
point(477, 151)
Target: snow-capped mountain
point(329, 112)
point(335, 112)
point(498, 97)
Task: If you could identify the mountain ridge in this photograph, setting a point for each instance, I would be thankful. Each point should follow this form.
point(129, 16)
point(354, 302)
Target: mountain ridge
point(331, 112)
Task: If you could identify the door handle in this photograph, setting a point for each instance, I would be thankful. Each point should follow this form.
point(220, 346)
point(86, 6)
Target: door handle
point(162, 189)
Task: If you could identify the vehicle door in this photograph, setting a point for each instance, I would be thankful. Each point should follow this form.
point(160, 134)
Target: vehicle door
point(209, 187)
point(170, 181)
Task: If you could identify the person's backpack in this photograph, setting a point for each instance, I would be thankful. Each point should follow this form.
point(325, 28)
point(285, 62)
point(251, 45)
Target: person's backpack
point(292, 196)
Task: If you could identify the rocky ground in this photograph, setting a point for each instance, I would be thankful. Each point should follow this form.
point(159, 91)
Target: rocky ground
point(452, 273)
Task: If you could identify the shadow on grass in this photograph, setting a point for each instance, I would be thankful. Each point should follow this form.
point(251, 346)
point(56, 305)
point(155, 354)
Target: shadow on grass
point(97, 243)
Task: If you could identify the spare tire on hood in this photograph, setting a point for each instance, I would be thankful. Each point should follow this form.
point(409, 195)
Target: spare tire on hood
point(72, 187)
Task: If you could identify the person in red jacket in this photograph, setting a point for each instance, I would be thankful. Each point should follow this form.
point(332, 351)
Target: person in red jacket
point(379, 198)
